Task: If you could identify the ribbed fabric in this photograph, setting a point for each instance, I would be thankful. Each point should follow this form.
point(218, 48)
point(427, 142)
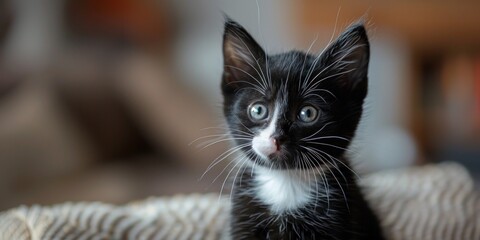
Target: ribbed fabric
point(435, 202)
point(432, 202)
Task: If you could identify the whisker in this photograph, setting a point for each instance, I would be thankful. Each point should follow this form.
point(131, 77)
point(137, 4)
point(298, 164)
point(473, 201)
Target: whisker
point(216, 136)
point(226, 139)
point(333, 64)
point(326, 137)
point(312, 67)
point(325, 78)
point(267, 70)
point(248, 154)
point(311, 95)
point(323, 176)
point(317, 190)
point(242, 159)
point(250, 130)
point(305, 58)
point(256, 61)
point(262, 89)
point(337, 160)
point(318, 131)
point(336, 179)
point(253, 167)
point(223, 156)
point(312, 90)
point(330, 145)
point(253, 86)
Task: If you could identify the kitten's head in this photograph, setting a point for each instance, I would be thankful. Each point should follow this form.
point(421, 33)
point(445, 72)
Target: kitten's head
point(294, 110)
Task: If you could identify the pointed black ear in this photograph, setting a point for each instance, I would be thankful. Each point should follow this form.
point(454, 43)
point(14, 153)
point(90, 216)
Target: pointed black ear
point(347, 58)
point(242, 57)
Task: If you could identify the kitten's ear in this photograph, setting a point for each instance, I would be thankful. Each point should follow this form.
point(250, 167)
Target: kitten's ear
point(242, 56)
point(348, 59)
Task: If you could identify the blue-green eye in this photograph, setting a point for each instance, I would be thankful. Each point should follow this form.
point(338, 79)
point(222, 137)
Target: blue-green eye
point(308, 114)
point(258, 111)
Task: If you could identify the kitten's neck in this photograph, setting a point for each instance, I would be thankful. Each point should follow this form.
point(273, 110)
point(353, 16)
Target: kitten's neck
point(288, 190)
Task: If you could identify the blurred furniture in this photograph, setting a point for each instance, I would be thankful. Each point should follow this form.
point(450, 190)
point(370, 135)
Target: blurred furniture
point(443, 78)
point(103, 116)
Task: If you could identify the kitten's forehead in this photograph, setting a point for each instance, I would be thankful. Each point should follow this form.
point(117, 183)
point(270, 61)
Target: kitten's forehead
point(290, 68)
point(290, 62)
point(285, 72)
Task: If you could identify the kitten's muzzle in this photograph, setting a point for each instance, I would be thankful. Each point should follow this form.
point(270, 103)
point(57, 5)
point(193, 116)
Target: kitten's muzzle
point(267, 147)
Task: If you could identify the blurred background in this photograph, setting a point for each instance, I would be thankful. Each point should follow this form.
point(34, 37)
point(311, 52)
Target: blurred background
point(100, 99)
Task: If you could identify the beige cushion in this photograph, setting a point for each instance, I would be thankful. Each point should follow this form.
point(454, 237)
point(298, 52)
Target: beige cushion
point(431, 202)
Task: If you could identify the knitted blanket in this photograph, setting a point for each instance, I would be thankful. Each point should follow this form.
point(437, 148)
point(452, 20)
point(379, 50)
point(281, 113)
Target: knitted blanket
point(435, 202)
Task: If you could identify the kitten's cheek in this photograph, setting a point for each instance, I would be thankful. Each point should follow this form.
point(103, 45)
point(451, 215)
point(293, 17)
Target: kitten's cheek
point(264, 146)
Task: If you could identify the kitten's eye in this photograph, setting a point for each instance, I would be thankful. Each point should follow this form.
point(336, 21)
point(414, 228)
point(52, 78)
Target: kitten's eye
point(308, 114)
point(258, 111)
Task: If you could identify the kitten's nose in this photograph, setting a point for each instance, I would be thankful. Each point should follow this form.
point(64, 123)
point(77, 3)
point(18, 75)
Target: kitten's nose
point(276, 143)
point(278, 139)
point(265, 146)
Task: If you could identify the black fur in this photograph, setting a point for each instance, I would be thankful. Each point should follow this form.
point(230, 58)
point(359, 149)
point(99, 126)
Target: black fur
point(338, 92)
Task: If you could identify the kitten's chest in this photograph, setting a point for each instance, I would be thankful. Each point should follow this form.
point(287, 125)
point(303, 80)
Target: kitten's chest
point(255, 220)
point(285, 205)
point(284, 191)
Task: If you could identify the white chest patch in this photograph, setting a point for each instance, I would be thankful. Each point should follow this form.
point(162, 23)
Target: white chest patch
point(284, 190)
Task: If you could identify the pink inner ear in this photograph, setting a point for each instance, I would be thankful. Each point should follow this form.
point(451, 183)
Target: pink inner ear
point(241, 54)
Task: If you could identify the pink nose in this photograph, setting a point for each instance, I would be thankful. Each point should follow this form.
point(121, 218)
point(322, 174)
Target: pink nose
point(277, 145)
point(265, 147)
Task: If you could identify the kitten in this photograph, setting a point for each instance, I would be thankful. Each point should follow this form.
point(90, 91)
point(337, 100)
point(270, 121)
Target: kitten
point(293, 116)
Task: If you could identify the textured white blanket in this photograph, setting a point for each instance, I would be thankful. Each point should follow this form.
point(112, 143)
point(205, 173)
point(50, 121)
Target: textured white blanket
point(432, 202)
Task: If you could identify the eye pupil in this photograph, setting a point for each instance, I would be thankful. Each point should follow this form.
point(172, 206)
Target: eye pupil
point(308, 114)
point(258, 112)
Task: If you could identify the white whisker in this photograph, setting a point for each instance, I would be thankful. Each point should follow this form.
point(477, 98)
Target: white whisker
point(309, 74)
point(229, 172)
point(318, 131)
point(223, 156)
point(259, 70)
point(330, 145)
point(325, 137)
point(337, 160)
point(262, 88)
point(333, 175)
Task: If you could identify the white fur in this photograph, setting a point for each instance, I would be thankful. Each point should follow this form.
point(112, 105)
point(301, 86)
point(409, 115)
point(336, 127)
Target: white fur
point(284, 190)
point(263, 144)
point(281, 190)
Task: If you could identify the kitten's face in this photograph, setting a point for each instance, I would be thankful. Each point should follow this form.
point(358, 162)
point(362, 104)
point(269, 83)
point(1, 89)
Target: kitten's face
point(293, 110)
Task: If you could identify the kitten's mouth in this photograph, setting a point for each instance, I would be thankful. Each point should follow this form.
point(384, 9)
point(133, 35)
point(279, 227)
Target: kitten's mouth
point(278, 157)
point(274, 157)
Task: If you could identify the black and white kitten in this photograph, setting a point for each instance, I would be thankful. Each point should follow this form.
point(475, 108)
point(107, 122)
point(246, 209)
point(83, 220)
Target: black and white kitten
point(293, 116)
